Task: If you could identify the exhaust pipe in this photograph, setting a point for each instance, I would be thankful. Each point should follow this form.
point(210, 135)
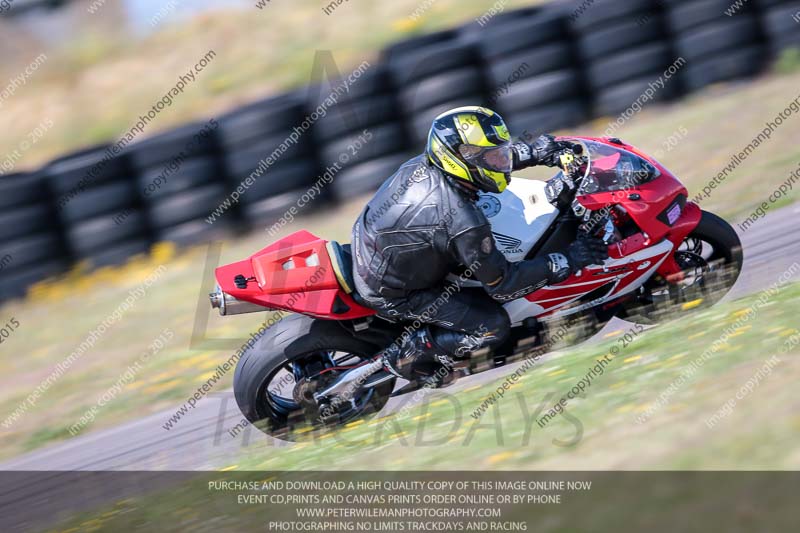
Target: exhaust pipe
point(228, 305)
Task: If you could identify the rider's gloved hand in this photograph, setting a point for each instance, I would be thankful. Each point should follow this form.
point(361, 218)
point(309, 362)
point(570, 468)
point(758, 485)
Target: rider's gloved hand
point(587, 251)
point(583, 252)
point(545, 150)
point(559, 191)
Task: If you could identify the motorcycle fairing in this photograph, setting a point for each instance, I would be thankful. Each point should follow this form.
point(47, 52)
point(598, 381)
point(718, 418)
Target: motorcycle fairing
point(519, 216)
point(659, 208)
point(594, 285)
point(294, 274)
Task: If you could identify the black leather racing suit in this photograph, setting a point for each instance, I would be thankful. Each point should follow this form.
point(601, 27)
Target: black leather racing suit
point(418, 228)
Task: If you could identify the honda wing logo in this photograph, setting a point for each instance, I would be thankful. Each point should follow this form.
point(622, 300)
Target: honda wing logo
point(510, 245)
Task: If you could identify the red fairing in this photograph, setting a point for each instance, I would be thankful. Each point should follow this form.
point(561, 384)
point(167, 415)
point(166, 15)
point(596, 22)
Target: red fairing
point(610, 282)
point(293, 274)
point(653, 199)
point(688, 221)
point(658, 208)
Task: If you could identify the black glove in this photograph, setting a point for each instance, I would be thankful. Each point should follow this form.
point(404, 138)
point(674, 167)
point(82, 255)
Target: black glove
point(559, 191)
point(545, 150)
point(583, 252)
point(587, 251)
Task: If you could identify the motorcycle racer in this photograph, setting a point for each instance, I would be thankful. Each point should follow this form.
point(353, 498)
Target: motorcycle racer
point(424, 224)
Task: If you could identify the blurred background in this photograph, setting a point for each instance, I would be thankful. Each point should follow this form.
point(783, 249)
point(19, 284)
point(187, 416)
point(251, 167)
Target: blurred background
point(127, 127)
point(82, 75)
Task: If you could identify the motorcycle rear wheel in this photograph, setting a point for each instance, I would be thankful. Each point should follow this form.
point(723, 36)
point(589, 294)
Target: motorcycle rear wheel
point(265, 383)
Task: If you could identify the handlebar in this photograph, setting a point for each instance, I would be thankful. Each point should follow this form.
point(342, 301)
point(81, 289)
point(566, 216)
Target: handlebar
point(576, 163)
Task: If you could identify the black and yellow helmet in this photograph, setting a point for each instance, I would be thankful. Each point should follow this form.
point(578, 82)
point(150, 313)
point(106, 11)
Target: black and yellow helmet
point(472, 144)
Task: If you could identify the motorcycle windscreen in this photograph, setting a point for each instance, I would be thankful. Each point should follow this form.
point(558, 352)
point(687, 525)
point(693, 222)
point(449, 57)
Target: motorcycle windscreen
point(615, 169)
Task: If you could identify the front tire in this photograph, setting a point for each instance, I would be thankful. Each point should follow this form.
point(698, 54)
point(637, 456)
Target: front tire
point(711, 258)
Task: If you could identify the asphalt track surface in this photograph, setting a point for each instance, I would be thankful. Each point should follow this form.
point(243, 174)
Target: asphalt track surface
point(200, 440)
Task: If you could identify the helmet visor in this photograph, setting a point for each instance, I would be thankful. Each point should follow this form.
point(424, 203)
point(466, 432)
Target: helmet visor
point(494, 158)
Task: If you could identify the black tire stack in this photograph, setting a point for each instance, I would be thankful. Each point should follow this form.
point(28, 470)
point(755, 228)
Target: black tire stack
point(180, 182)
point(624, 48)
point(717, 46)
point(251, 135)
point(531, 68)
point(781, 23)
point(361, 138)
point(31, 246)
point(543, 68)
point(432, 75)
point(98, 206)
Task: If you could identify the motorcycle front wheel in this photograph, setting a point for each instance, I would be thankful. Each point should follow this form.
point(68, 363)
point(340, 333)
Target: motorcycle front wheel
point(711, 260)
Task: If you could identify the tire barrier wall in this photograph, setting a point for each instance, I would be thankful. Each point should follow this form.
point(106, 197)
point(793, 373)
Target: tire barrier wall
point(543, 68)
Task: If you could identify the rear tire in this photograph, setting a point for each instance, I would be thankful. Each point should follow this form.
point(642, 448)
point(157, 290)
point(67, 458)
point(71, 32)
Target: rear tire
point(293, 339)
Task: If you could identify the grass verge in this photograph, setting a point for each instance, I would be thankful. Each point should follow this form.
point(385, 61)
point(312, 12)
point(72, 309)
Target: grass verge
point(603, 429)
point(599, 431)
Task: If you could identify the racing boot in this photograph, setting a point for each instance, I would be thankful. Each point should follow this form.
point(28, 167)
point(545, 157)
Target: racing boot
point(418, 359)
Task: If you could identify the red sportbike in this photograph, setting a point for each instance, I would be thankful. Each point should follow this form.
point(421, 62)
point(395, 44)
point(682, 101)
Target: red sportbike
point(318, 365)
